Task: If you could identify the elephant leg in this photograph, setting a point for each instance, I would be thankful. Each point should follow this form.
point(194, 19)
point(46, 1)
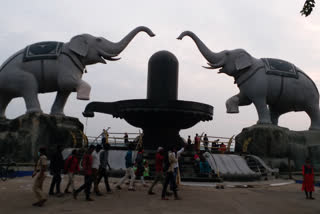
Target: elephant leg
point(59, 103)
point(314, 115)
point(274, 117)
point(29, 92)
point(234, 102)
point(4, 101)
point(263, 111)
point(32, 102)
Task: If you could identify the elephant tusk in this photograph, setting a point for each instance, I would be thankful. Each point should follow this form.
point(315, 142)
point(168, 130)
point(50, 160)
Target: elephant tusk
point(208, 67)
point(114, 59)
point(217, 65)
point(111, 59)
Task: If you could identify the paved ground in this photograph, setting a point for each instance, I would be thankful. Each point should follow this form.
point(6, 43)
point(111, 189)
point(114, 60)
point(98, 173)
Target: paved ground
point(16, 197)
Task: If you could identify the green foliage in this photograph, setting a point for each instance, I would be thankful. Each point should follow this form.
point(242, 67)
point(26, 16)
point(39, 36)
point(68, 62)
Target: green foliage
point(307, 7)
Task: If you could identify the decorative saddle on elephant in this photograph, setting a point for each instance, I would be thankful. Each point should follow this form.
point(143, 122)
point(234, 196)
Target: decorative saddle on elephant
point(42, 50)
point(280, 67)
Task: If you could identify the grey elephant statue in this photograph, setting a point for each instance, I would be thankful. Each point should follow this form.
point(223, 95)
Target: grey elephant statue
point(274, 86)
point(55, 66)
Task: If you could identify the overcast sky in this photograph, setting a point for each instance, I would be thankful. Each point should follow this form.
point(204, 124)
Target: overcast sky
point(269, 28)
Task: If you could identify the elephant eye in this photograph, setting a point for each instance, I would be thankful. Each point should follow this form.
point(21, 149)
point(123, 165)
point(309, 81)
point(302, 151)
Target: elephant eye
point(98, 39)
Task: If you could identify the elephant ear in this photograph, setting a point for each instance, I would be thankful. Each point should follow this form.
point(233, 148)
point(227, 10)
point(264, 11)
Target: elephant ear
point(243, 61)
point(79, 45)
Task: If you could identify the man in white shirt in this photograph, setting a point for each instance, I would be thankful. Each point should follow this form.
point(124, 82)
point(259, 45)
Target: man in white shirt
point(95, 168)
point(176, 165)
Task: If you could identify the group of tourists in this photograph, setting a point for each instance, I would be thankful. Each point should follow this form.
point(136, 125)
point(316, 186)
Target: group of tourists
point(215, 145)
point(95, 166)
point(166, 166)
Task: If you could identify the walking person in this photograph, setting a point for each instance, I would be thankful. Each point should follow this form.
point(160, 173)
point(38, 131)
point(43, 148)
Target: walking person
point(172, 160)
point(71, 168)
point(176, 171)
point(206, 143)
point(56, 165)
point(140, 166)
point(129, 170)
point(87, 167)
point(159, 170)
point(95, 168)
point(40, 176)
point(308, 179)
point(104, 163)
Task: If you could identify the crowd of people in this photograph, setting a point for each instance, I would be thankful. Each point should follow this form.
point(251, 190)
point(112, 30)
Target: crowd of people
point(94, 165)
point(216, 147)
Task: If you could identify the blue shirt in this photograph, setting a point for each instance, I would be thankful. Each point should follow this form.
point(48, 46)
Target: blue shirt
point(128, 158)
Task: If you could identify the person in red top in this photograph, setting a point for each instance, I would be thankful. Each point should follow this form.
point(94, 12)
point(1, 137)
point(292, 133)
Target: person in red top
point(308, 179)
point(159, 170)
point(197, 140)
point(88, 179)
point(71, 167)
point(222, 148)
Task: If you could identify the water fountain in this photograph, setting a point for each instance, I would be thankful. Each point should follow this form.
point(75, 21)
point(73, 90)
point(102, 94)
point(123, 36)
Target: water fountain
point(161, 116)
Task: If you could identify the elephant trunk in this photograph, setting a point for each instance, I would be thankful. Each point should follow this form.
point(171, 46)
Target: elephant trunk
point(118, 47)
point(212, 57)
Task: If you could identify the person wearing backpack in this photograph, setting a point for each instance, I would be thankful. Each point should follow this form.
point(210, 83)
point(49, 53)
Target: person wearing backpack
point(88, 179)
point(71, 167)
point(129, 171)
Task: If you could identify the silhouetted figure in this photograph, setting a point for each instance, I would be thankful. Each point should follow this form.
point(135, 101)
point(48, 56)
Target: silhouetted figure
point(205, 142)
point(189, 141)
point(126, 138)
point(56, 165)
point(215, 146)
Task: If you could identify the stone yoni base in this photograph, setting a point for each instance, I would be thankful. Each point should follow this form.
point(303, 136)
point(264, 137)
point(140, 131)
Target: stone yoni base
point(277, 144)
point(21, 138)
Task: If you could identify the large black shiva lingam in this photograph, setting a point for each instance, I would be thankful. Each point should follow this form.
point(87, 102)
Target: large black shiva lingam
point(161, 115)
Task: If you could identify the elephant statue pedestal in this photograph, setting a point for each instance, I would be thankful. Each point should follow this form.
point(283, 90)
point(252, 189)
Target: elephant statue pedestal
point(275, 145)
point(21, 138)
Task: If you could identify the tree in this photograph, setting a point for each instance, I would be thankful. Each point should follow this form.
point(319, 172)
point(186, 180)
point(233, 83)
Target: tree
point(307, 7)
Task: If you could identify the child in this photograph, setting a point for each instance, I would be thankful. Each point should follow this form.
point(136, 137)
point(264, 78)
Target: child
point(146, 169)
